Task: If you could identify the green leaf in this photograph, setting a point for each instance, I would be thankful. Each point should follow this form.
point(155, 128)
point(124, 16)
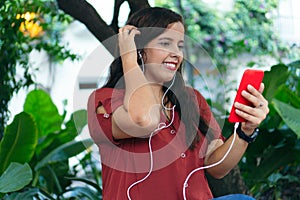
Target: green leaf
point(15, 177)
point(19, 141)
point(79, 119)
point(273, 79)
point(39, 104)
point(270, 161)
point(73, 128)
point(64, 152)
point(289, 115)
point(284, 94)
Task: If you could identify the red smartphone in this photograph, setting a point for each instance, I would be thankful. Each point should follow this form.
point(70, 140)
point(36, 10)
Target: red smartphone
point(253, 77)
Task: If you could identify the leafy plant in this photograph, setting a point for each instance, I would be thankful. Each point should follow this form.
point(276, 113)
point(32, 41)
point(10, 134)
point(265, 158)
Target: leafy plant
point(26, 26)
point(36, 149)
point(276, 151)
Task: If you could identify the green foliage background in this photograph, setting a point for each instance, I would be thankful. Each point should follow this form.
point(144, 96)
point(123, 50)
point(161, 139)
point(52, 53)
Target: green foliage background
point(15, 47)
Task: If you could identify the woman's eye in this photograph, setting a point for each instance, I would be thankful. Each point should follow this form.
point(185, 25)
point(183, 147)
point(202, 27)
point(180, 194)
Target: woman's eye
point(164, 44)
point(181, 47)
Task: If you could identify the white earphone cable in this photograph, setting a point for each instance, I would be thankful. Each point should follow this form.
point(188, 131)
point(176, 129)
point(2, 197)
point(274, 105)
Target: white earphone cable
point(160, 127)
point(212, 165)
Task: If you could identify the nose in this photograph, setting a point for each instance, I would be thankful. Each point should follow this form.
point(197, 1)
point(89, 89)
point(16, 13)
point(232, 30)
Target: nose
point(176, 51)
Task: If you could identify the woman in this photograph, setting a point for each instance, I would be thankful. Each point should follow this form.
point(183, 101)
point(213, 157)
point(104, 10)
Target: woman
point(151, 129)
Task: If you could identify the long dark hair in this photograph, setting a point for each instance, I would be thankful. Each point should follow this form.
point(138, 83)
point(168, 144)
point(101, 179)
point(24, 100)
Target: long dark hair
point(179, 94)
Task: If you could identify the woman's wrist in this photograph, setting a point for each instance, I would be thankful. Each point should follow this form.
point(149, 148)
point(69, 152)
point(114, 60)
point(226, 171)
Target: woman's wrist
point(247, 131)
point(249, 138)
point(129, 61)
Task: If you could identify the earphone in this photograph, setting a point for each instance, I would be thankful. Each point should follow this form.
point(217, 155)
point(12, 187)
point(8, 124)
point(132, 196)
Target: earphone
point(141, 57)
point(212, 165)
point(162, 126)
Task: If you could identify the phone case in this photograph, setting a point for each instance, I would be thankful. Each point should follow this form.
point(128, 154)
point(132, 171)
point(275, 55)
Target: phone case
point(253, 77)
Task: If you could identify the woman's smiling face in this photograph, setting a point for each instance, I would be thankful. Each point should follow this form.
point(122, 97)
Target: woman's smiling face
point(164, 54)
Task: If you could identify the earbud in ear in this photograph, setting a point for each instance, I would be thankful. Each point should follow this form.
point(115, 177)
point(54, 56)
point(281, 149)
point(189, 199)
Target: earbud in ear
point(140, 55)
point(142, 61)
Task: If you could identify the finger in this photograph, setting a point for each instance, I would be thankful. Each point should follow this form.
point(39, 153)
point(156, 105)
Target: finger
point(261, 88)
point(253, 90)
point(257, 101)
point(134, 32)
point(253, 119)
point(250, 110)
point(254, 96)
point(127, 29)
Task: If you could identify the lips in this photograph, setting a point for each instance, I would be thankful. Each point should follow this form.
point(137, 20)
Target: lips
point(170, 65)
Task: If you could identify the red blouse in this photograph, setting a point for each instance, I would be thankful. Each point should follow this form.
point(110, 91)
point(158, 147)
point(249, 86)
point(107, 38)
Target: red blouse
point(127, 161)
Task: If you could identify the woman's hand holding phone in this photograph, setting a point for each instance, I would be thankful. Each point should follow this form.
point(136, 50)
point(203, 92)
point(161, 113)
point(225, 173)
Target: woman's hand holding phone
point(250, 106)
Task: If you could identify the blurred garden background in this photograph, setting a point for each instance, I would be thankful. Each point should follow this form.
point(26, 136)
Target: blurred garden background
point(54, 53)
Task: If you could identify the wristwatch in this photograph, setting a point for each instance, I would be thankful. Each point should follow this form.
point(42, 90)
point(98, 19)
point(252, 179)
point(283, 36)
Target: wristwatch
point(244, 136)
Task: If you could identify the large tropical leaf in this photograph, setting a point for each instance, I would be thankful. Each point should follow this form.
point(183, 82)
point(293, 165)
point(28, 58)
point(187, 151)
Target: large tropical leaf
point(73, 127)
point(65, 152)
point(19, 141)
point(79, 118)
point(275, 78)
point(269, 154)
point(284, 94)
point(289, 115)
point(15, 177)
point(39, 104)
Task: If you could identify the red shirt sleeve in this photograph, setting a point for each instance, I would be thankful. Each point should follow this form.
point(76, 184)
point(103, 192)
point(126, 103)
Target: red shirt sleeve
point(100, 125)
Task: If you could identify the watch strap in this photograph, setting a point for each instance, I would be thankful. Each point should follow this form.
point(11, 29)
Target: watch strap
point(248, 138)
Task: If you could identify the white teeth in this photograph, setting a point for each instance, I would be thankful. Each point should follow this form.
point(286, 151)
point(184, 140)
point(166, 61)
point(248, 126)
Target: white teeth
point(170, 65)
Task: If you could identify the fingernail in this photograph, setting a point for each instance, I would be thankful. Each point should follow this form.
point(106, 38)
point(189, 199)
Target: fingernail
point(237, 111)
point(244, 92)
point(237, 104)
point(250, 87)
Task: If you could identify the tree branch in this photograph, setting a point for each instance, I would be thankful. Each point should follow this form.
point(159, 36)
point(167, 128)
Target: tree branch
point(84, 12)
point(135, 5)
point(115, 20)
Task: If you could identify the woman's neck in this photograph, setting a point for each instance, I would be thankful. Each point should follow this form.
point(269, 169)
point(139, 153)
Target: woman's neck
point(158, 92)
